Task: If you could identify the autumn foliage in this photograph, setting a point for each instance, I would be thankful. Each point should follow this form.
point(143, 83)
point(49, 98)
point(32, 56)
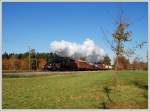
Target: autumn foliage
point(20, 62)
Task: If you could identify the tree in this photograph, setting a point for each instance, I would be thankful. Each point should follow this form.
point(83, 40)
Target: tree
point(129, 53)
point(6, 64)
point(41, 62)
point(122, 63)
point(106, 60)
point(119, 37)
point(13, 61)
point(5, 55)
point(138, 64)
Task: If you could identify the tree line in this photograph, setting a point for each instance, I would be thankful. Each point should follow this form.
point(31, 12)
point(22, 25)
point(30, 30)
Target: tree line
point(32, 60)
point(21, 61)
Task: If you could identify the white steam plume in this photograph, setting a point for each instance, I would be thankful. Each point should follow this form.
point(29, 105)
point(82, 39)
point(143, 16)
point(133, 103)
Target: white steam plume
point(87, 50)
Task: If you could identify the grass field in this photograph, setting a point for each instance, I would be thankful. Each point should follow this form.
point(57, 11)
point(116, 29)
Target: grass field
point(77, 90)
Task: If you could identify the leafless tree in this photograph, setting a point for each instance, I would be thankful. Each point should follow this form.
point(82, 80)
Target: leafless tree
point(119, 37)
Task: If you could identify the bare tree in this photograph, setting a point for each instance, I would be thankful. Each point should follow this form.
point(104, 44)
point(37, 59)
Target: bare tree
point(119, 37)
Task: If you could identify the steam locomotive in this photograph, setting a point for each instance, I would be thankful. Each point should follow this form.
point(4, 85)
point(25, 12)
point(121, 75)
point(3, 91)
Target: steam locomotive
point(69, 64)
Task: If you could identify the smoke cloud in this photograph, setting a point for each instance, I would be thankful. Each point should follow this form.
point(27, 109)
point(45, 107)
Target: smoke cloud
point(87, 50)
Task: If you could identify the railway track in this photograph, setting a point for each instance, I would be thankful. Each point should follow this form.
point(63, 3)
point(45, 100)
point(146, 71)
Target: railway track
point(42, 73)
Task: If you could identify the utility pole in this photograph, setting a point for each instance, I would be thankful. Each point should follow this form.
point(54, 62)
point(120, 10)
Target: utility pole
point(36, 65)
point(29, 60)
point(14, 62)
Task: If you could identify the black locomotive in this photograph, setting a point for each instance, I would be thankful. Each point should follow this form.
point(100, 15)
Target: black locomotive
point(60, 63)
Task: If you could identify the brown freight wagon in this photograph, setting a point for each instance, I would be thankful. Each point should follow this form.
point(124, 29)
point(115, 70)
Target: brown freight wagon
point(100, 66)
point(83, 65)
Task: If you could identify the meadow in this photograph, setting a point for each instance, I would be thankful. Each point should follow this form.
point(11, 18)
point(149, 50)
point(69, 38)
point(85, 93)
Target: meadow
point(92, 90)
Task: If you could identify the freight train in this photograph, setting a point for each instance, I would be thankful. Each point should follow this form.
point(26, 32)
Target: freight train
point(69, 64)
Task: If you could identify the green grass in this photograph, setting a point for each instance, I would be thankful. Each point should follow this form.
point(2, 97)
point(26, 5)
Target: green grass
point(77, 90)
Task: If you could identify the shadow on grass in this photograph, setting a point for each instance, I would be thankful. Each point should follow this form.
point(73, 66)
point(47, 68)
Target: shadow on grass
point(104, 105)
point(107, 91)
point(140, 85)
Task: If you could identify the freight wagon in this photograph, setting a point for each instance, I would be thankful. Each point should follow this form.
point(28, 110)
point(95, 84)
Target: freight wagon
point(83, 65)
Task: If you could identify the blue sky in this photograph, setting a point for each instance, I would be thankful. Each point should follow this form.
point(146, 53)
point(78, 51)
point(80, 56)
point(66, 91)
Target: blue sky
point(39, 24)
